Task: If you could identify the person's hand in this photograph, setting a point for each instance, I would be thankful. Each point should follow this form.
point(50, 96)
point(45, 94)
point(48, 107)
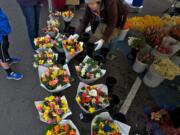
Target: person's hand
point(99, 44)
point(88, 29)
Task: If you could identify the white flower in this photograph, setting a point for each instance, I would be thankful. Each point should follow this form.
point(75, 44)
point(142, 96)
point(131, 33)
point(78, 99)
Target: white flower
point(93, 93)
point(98, 75)
point(83, 71)
point(130, 40)
point(35, 65)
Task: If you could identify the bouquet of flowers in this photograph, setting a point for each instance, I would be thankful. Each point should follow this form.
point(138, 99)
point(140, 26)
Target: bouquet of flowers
point(67, 15)
point(57, 42)
point(154, 35)
point(51, 31)
point(45, 57)
point(43, 42)
point(136, 43)
point(103, 124)
point(145, 56)
point(175, 33)
point(89, 70)
point(141, 23)
point(72, 47)
point(52, 22)
point(166, 68)
point(92, 98)
point(53, 109)
point(65, 127)
point(55, 78)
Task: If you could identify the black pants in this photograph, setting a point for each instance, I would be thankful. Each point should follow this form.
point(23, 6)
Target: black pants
point(4, 54)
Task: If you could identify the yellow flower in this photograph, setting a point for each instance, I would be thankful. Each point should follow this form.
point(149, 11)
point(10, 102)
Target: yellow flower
point(56, 106)
point(49, 132)
point(58, 118)
point(41, 62)
point(45, 117)
point(47, 108)
point(101, 125)
point(91, 109)
point(101, 132)
point(61, 72)
point(50, 98)
point(78, 99)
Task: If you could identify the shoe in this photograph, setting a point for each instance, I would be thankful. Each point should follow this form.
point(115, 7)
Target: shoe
point(14, 61)
point(14, 76)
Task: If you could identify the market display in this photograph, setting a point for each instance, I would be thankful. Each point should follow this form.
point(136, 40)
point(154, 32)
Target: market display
point(151, 53)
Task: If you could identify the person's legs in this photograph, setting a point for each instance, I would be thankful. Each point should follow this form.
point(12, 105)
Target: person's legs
point(4, 59)
point(29, 14)
point(37, 16)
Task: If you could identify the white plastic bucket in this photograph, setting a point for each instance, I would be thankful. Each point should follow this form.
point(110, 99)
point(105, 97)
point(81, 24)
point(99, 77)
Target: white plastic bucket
point(139, 67)
point(122, 34)
point(152, 79)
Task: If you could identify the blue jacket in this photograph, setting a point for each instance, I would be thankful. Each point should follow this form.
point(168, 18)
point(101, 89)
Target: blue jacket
point(5, 28)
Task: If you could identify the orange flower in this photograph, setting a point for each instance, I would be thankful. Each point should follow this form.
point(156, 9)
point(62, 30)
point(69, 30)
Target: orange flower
point(72, 132)
point(56, 128)
point(66, 80)
point(53, 82)
point(66, 128)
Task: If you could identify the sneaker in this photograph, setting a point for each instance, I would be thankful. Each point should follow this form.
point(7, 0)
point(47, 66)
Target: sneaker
point(15, 76)
point(14, 61)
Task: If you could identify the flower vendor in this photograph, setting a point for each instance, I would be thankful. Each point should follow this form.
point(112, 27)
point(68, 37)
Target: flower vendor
point(5, 59)
point(111, 15)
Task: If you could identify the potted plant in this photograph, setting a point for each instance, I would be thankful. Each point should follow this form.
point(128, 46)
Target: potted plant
point(143, 59)
point(160, 70)
point(136, 44)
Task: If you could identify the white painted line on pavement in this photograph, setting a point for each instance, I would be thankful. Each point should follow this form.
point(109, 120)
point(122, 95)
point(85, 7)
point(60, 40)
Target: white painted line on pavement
point(129, 99)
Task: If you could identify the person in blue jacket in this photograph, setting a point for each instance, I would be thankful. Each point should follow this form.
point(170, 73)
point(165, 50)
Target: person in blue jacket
point(5, 59)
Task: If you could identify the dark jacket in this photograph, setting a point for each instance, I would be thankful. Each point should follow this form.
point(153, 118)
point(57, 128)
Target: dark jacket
point(113, 14)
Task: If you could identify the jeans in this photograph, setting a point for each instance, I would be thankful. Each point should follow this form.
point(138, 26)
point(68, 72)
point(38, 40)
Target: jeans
point(32, 14)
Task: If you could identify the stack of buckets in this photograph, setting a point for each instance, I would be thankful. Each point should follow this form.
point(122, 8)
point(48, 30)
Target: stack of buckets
point(137, 3)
